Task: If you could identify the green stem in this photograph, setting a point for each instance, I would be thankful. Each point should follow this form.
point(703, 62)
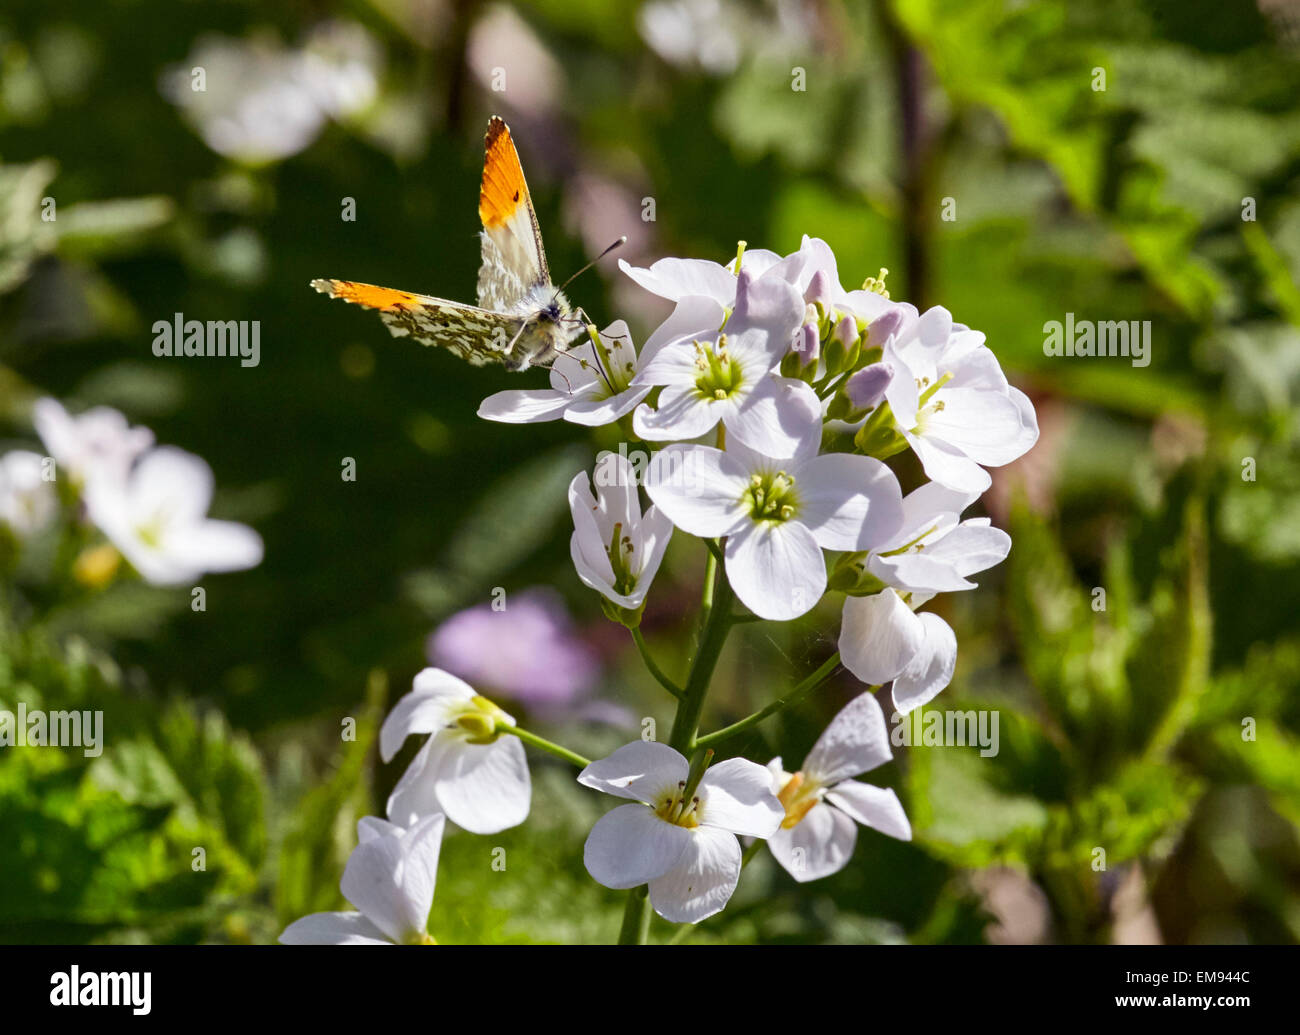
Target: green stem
point(636, 917)
point(654, 669)
point(802, 690)
point(545, 745)
point(716, 610)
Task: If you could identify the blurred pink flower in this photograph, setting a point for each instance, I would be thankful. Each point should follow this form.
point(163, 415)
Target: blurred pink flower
point(527, 650)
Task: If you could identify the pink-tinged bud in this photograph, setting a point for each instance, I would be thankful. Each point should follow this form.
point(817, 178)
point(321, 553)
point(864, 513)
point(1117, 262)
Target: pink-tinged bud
point(744, 281)
point(846, 332)
point(867, 387)
point(821, 291)
point(809, 343)
point(879, 330)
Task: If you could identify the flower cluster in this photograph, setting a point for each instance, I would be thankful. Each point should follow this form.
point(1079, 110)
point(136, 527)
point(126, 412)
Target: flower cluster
point(149, 502)
point(805, 389)
point(771, 398)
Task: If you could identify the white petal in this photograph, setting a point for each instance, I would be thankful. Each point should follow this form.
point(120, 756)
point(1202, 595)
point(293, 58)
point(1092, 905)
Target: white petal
point(875, 807)
point(930, 670)
point(173, 481)
point(738, 797)
point(818, 845)
point(856, 741)
point(592, 413)
point(641, 770)
point(416, 794)
point(677, 278)
point(424, 710)
point(703, 879)
point(695, 317)
point(982, 424)
point(945, 464)
point(681, 415)
point(919, 572)
point(777, 570)
point(674, 365)
point(215, 546)
point(879, 636)
point(849, 502)
point(972, 547)
point(333, 929)
point(699, 488)
point(525, 406)
point(485, 788)
point(389, 878)
point(777, 418)
point(631, 846)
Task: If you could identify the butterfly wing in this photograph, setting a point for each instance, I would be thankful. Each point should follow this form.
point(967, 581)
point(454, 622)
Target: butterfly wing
point(476, 335)
point(514, 260)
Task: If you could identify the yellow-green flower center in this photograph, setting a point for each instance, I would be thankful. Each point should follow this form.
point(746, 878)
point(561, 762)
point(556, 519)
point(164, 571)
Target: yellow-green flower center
point(717, 376)
point(480, 719)
point(673, 807)
point(771, 497)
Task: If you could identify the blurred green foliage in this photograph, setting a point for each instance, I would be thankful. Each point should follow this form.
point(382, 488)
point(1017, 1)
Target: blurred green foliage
point(1121, 729)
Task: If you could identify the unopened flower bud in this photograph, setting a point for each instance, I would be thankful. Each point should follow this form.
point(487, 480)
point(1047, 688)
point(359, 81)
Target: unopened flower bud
point(879, 330)
point(867, 387)
point(801, 360)
point(821, 292)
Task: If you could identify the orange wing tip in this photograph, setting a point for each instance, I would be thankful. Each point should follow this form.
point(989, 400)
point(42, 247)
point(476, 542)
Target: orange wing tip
point(503, 190)
point(364, 294)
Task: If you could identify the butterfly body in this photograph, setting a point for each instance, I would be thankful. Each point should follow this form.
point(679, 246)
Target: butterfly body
point(521, 319)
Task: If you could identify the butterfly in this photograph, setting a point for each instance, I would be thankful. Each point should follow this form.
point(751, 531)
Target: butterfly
point(521, 319)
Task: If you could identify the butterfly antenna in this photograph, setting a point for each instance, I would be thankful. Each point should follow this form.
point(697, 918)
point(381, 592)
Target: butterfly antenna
point(617, 244)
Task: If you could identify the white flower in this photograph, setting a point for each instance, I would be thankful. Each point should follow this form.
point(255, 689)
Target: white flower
point(777, 514)
point(823, 802)
point(390, 877)
point(262, 102)
point(97, 442)
point(477, 777)
point(585, 389)
point(27, 501)
point(883, 639)
point(952, 403)
point(616, 550)
point(934, 551)
point(157, 517)
point(726, 375)
point(686, 850)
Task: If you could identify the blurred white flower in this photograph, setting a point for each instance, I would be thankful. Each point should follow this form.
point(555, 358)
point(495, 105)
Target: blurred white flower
point(99, 442)
point(466, 770)
point(156, 516)
point(390, 877)
point(823, 803)
point(262, 102)
point(685, 32)
point(27, 501)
